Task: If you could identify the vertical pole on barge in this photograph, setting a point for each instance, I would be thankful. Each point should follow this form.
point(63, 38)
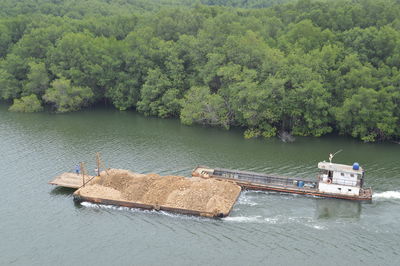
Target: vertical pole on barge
point(83, 173)
point(83, 170)
point(98, 163)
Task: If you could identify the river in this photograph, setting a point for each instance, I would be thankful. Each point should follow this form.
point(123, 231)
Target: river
point(41, 225)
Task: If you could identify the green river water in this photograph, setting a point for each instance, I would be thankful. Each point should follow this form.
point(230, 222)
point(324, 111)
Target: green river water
point(41, 225)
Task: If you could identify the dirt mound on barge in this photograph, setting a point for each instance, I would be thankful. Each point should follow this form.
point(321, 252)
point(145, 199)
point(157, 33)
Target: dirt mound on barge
point(206, 197)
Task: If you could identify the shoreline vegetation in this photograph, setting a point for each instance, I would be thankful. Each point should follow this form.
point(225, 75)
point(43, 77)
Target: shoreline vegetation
point(273, 67)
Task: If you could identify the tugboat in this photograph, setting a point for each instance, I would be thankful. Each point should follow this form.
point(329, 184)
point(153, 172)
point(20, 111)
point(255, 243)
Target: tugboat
point(334, 181)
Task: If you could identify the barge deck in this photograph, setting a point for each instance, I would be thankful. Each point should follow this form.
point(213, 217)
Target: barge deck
point(70, 180)
point(192, 196)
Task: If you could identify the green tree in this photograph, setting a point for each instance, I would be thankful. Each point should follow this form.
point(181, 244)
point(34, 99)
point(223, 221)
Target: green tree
point(37, 42)
point(307, 36)
point(66, 97)
point(9, 86)
point(124, 94)
point(369, 115)
point(37, 79)
point(157, 84)
point(78, 57)
point(201, 107)
point(5, 39)
point(309, 107)
point(27, 104)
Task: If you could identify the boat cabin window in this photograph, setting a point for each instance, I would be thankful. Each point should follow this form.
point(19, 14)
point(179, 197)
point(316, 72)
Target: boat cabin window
point(342, 174)
point(330, 174)
point(351, 175)
point(339, 188)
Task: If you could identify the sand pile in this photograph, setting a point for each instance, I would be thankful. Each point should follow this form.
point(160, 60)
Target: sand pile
point(209, 197)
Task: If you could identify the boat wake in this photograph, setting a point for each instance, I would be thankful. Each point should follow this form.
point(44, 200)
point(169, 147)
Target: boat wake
point(387, 195)
point(246, 200)
point(140, 211)
point(244, 219)
point(306, 221)
point(103, 206)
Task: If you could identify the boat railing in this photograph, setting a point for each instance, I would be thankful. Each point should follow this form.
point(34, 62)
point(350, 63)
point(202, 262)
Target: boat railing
point(263, 179)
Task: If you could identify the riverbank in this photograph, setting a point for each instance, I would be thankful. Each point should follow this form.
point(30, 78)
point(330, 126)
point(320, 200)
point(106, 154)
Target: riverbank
point(282, 136)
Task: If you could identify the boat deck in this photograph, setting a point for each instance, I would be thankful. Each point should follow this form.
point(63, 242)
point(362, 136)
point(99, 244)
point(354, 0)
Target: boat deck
point(70, 180)
point(251, 179)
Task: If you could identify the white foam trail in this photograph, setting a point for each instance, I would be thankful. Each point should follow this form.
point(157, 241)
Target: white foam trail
point(387, 195)
point(319, 227)
point(272, 220)
point(252, 219)
point(243, 219)
point(88, 204)
point(103, 206)
point(245, 200)
point(136, 210)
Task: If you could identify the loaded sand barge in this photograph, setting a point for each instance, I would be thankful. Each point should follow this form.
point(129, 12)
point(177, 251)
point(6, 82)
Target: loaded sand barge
point(334, 181)
point(193, 196)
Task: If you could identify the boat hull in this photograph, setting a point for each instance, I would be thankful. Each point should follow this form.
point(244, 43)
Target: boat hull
point(299, 191)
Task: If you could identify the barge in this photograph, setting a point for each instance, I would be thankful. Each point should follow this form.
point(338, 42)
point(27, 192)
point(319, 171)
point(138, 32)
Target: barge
point(333, 181)
point(137, 205)
point(192, 196)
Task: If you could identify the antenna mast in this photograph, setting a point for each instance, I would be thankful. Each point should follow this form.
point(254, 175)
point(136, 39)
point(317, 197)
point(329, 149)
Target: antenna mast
point(333, 155)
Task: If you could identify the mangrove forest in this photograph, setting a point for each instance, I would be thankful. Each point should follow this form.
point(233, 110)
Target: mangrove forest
point(308, 67)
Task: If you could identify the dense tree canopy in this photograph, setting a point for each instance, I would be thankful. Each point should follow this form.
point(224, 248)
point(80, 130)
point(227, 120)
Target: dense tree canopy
point(306, 67)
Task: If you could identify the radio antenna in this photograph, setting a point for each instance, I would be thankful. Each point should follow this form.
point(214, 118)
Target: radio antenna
point(333, 155)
